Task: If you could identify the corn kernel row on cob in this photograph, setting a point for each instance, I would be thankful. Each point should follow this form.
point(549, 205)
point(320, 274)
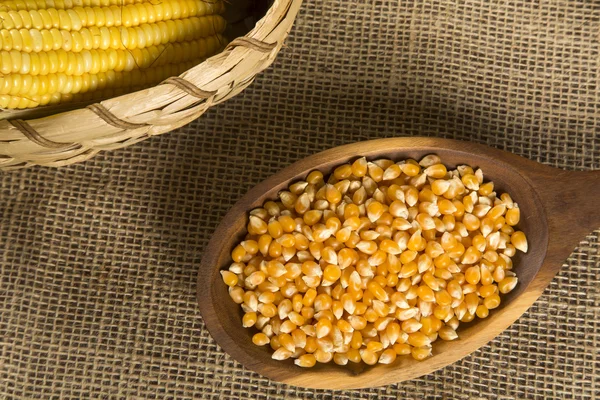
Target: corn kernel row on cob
point(129, 15)
point(25, 85)
point(64, 4)
point(95, 61)
point(145, 35)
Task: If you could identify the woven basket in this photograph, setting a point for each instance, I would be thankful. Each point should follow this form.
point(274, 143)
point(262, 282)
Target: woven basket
point(77, 135)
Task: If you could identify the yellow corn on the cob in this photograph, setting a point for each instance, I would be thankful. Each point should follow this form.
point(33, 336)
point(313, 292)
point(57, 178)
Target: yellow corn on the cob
point(57, 51)
point(117, 15)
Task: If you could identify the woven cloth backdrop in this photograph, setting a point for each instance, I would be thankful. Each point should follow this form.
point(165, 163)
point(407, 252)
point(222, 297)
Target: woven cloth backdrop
point(98, 261)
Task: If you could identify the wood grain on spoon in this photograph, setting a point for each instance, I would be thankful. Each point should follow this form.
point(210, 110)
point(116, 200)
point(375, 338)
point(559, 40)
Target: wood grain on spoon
point(558, 208)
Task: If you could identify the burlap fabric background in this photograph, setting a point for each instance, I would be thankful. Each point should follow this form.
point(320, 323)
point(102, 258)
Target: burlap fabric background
point(98, 261)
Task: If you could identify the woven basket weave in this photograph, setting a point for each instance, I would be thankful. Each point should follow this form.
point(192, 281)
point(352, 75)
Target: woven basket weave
point(77, 135)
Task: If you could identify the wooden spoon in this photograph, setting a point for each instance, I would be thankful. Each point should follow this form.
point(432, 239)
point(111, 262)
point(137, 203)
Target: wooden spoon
point(558, 208)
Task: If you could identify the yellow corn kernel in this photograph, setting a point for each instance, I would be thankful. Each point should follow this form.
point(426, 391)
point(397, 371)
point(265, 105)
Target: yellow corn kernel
point(311, 344)
point(275, 229)
point(353, 355)
point(482, 311)
point(425, 293)
point(357, 340)
point(342, 172)
point(306, 361)
point(402, 349)
point(519, 240)
point(473, 275)
point(430, 325)
point(268, 310)
point(421, 353)
point(496, 212)
point(229, 278)
point(387, 356)
point(411, 325)
point(323, 302)
point(237, 294)
point(369, 357)
point(307, 312)
point(487, 290)
point(323, 328)
point(470, 181)
point(260, 339)
point(447, 333)
point(437, 171)
point(513, 216)
point(340, 358)
point(507, 284)
point(374, 346)
point(492, 301)
point(323, 356)
point(249, 319)
point(468, 317)
point(410, 169)
point(314, 177)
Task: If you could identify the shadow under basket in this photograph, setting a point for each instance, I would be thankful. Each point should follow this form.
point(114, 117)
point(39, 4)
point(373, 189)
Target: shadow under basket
point(66, 134)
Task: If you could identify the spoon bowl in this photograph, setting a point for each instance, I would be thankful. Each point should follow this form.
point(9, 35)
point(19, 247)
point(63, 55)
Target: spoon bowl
point(557, 211)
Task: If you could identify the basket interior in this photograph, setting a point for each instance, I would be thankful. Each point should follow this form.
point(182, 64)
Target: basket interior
point(242, 15)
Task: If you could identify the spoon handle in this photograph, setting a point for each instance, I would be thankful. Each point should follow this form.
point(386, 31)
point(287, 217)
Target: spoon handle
point(571, 201)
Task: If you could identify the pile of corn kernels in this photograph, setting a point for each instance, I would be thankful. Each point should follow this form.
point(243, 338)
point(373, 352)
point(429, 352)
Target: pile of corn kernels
point(380, 260)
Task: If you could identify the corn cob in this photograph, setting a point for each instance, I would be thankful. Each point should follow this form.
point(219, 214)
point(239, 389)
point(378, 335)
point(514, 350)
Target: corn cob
point(56, 51)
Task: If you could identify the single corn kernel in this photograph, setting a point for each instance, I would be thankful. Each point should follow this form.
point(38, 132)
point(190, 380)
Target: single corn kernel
point(519, 240)
point(237, 294)
point(473, 275)
point(492, 301)
point(482, 311)
point(437, 171)
point(249, 319)
point(388, 356)
point(306, 361)
point(377, 291)
point(447, 333)
point(513, 216)
point(323, 328)
point(410, 169)
point(402, 349)
point(507, 284)
point(260, 339)
point(229, 278)
point(353, 355)
point(425, 293)
point(323, 356)
point(268, 310)
point(421, 353)
point(359, 167)
point(369, 357)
